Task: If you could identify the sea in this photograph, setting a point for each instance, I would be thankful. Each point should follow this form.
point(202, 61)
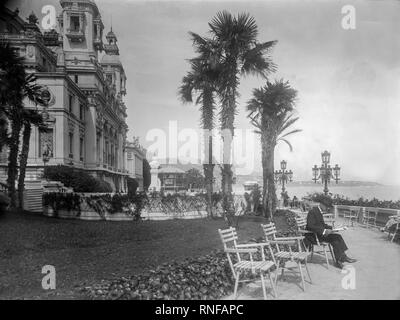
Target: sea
point(380, 192)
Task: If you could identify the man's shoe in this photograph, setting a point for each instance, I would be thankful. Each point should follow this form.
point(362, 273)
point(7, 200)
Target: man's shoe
point(339, 265)
point(349, 260)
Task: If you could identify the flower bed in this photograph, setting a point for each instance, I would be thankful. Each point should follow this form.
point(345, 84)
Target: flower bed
point(123, 207)
point(201, 278)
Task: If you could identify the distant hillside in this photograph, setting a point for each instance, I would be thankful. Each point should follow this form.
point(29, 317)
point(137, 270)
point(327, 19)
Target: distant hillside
point(350, 183)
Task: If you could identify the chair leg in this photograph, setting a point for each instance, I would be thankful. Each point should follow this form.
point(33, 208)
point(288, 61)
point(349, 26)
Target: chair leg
point(308, 271)
point(331, 251)
point(302, 276)
point(326, 257)
point(236, 284)
point(277, 272)
point(312, 252)
point(272, 284)
point(263, 285)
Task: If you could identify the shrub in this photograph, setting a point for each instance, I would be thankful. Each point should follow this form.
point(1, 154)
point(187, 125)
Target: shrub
point(62, 201)
point(77, 179)
point(325, 200)
point(367, 203)
point(132, 185)
point(200, 278)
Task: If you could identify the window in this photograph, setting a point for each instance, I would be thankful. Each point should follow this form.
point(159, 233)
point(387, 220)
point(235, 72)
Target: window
point(98, 147)
point(82, 112)
point(81, 148)
point(71, 103)
point(105, 159)
point(109, 78)
point(76, 78)
point(71, 145)
point(75, 23)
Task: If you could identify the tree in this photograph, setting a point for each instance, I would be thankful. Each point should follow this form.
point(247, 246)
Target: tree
point(15, 86)
point(238, 54)
point(202, 80)
point(30, 117)
point(194, 179)
point(146, 175)
point(11, 101)
point(271, 112)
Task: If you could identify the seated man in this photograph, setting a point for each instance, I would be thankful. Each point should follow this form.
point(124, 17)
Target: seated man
point(316, 224)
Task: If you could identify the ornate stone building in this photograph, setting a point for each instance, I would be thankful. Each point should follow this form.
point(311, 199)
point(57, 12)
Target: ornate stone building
point(86, 115)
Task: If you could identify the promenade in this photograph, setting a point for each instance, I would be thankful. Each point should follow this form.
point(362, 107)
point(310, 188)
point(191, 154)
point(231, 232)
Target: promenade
point(377, 273)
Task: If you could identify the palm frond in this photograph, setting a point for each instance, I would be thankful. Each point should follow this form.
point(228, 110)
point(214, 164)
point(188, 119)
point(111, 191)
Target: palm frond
point(287, 142)
point(290, 133)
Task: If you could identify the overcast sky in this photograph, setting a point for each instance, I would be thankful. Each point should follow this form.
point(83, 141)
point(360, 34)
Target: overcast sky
point(348, 80)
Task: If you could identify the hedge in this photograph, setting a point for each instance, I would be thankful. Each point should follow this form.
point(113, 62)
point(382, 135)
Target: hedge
point(78, 179)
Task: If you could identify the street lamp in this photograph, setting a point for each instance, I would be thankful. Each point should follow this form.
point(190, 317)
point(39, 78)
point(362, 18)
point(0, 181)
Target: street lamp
point(283, 176)
point(325, 173)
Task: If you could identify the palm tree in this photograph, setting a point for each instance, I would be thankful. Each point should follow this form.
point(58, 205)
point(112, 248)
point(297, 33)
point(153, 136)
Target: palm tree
point(12, 80)
point(271, 112)
point(15, 86)
point(30, 117)
point(202, 80)
point(238, 53)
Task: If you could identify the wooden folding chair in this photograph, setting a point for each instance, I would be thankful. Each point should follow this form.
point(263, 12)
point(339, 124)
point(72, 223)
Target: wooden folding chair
point(395, 231)
point(288, 254)
point(320, 245)
point(229, 238)
point(351, 215)
point(369, 217)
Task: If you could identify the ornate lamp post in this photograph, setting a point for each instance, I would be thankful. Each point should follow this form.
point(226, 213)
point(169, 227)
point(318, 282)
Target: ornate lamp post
point(325, 173)
point(283, 176)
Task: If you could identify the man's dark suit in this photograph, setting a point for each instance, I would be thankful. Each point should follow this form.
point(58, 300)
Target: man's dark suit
point(316, 224)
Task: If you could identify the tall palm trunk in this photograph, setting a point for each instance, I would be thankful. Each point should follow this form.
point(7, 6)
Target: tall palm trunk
point(208, 125)
point(23, 162)
point(13, 160)
point(208, 174)
point(269, 193)
point(228, 132)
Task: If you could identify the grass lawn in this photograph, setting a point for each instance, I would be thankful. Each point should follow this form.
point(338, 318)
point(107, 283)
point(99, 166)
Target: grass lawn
point(84, 252)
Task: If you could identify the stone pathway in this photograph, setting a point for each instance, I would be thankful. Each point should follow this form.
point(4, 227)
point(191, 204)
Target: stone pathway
point(377, 273)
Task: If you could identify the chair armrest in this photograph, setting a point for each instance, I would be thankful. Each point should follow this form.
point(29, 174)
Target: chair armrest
point(304, 231)
point(284, 241)
point(252, 245)
point(232, 250)
point(289, 238)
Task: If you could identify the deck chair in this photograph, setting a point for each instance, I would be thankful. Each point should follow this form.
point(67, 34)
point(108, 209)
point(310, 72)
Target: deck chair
point(394, 232)
point(280, 257)
point(351, 215)
point(369, 217)
point(241, 266)
point(321, 246)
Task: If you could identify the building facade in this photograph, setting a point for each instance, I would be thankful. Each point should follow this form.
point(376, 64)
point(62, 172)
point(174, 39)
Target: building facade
point(135, 154)
point(85, 84)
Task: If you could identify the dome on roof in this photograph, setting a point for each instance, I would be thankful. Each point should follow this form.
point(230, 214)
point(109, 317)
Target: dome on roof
point(111, 34)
